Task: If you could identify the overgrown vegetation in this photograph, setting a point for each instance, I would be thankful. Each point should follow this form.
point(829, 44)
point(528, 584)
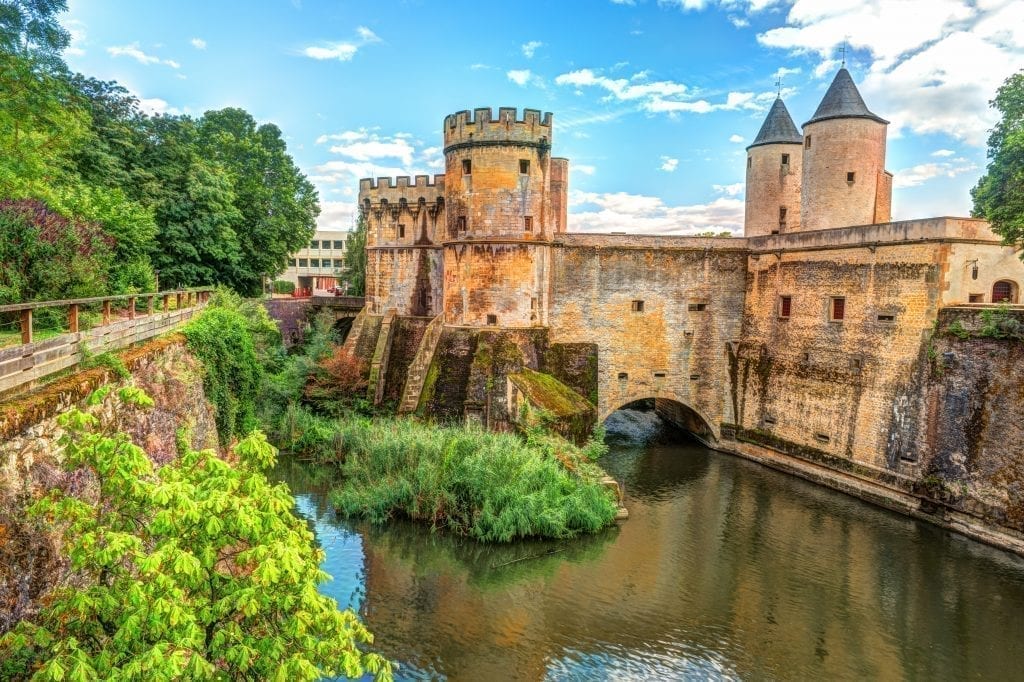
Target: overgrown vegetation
point(492, 487)
point(996, 323)
point(198, 570)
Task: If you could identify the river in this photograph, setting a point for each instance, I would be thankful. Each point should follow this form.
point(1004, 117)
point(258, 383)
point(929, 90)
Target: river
point(724, 570)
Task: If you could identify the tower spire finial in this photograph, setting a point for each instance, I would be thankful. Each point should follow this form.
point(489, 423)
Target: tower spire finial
point(843, 65)
point(778, 84)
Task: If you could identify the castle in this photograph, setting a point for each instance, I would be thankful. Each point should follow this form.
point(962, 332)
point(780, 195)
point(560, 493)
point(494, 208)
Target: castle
point(805, 341)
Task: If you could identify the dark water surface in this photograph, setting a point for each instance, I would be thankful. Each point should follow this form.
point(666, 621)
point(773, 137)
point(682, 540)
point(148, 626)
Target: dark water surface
point(724, 570)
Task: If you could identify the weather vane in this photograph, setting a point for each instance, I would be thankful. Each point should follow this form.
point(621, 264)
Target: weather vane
point(778, 84)
point(844, 51)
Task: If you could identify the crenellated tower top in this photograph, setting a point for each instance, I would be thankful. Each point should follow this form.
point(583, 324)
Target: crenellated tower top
point(482, 128)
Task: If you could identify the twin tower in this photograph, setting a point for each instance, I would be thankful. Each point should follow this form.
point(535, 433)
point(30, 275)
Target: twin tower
point(833, 175)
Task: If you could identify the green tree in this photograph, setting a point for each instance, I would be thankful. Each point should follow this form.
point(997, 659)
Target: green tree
point(355, 258)
point(276, 205)
point(999, 194)
point(31, 27)
point(199, 570)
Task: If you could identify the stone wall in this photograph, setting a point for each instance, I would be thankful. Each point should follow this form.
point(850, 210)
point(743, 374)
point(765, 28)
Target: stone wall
point(407, 337)
point(406, 279)
point(661, 312)
point(495, 284)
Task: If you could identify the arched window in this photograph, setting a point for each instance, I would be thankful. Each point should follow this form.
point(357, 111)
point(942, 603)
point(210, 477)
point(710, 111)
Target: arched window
point(1004, 291)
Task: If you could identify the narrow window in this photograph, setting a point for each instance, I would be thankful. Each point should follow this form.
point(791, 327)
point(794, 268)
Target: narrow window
point(460, 224)
point(883, 317)
point(785, 306)
point(785, 159)
point(856, 364)
point(659, 375)
point(401, 231)
point(314, 244)
point(782, 217)
point(524, 166)
point(822, 437)
point(623, 376)
point(303, 262)
point(837, 309)
point(492, 319)
point(528, 223)
point(533, 304)
point(806, 357)
point(769, 420)
point(850, 175)
point(750, 161)
point(807, 142)
point(638, 306)
point(775, 231)
point(694, 377)
point(976, 298)
point(697, 307)
point(467, 167)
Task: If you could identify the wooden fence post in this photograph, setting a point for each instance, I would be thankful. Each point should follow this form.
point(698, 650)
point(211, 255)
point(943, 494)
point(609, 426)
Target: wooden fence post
point(73, 318)
point(106, 312)
point(131, 307)
point(177, 301)
point(26, 326)
point(149, 305)
point(167, 302)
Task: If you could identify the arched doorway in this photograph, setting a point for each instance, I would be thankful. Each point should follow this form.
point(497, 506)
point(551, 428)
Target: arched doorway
point(1004, 291)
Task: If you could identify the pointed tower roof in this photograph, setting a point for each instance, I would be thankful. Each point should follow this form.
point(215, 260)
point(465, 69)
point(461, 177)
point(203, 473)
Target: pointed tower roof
point(843, 100)
point(778, 127)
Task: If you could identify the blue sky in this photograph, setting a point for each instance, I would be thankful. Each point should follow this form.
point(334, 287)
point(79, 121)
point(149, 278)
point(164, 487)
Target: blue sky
point(654, 101)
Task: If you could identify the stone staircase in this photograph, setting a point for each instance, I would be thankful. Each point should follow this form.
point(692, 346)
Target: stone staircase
point(379, 364)
point(420, 366)
point(352, 340)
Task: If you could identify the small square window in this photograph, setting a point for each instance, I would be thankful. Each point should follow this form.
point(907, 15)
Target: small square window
point(837, 309)
point(401, 231)
point(694, 377)
point(976, 298)
point(850, 175)
point(659, 375)
point(492, 319)
point(467, 167)
point(856, 364)
point(822, 437)
point(524, 166)
point(623, 376)
point(338, 244)
point(883, 317)
point(785, 306)
point(303, 263)
point(785, 159)
point(697, 307)
point(807, 142)
point(528, 223)
point(806, 357)
point(314, 244)
point(638, 306)
point(769, 420)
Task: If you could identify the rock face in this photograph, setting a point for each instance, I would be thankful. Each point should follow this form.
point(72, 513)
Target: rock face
point(30, 456)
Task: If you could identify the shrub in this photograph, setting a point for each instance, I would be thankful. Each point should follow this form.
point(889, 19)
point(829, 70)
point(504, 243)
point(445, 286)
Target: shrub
point(197, 571)
point(337, 378)
point(492, 487)
point(282, 286)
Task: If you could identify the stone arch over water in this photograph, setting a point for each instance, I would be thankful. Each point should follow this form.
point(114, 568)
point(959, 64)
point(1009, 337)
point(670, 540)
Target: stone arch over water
point(671, 408)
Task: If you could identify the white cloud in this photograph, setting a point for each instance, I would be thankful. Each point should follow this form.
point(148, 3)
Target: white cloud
point(733, 190)
point(76, 28)
point(931, 65)
point(623, 2)
point(943, 152)
point(640, 214)
point(530, 48)
point(154, 106)
point(922, 173)
point(366, 153)
point(658, 96)
point(133, 51)
point(336, 215)
point(736, 138)
point(583, 168)
point(669, 164)
point(198, 43)
point(519, 76)
point(342, 51)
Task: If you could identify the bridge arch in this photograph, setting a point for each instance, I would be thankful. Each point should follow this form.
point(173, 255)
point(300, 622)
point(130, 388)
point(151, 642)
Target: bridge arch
point(671, 407)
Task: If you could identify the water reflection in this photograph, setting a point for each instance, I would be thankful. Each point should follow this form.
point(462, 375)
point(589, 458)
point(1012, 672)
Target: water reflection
point(724, 570)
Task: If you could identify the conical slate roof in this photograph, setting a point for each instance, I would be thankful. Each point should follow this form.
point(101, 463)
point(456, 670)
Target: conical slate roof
point(778, 127)
point(842, 100)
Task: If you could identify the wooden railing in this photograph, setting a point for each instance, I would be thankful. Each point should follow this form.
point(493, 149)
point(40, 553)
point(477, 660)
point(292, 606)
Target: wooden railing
point(120, 322)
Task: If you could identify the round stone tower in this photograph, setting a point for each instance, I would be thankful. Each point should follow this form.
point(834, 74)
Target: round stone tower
point(773, 176)
point(500, 220)
point(844, 181)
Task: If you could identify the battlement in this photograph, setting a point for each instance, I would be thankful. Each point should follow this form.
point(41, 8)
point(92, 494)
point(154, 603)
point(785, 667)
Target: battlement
point(481, 125)
point(401, 189)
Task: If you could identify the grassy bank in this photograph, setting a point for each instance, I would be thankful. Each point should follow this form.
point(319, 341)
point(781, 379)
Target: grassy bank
point(493, 487)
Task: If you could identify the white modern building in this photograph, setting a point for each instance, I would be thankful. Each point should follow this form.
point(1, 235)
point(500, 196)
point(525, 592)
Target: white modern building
point(318, 267)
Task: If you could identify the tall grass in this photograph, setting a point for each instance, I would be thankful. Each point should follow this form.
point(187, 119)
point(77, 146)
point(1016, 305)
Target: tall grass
point(493, 487)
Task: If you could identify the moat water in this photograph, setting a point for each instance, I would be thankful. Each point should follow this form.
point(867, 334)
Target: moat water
point(724, 570)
